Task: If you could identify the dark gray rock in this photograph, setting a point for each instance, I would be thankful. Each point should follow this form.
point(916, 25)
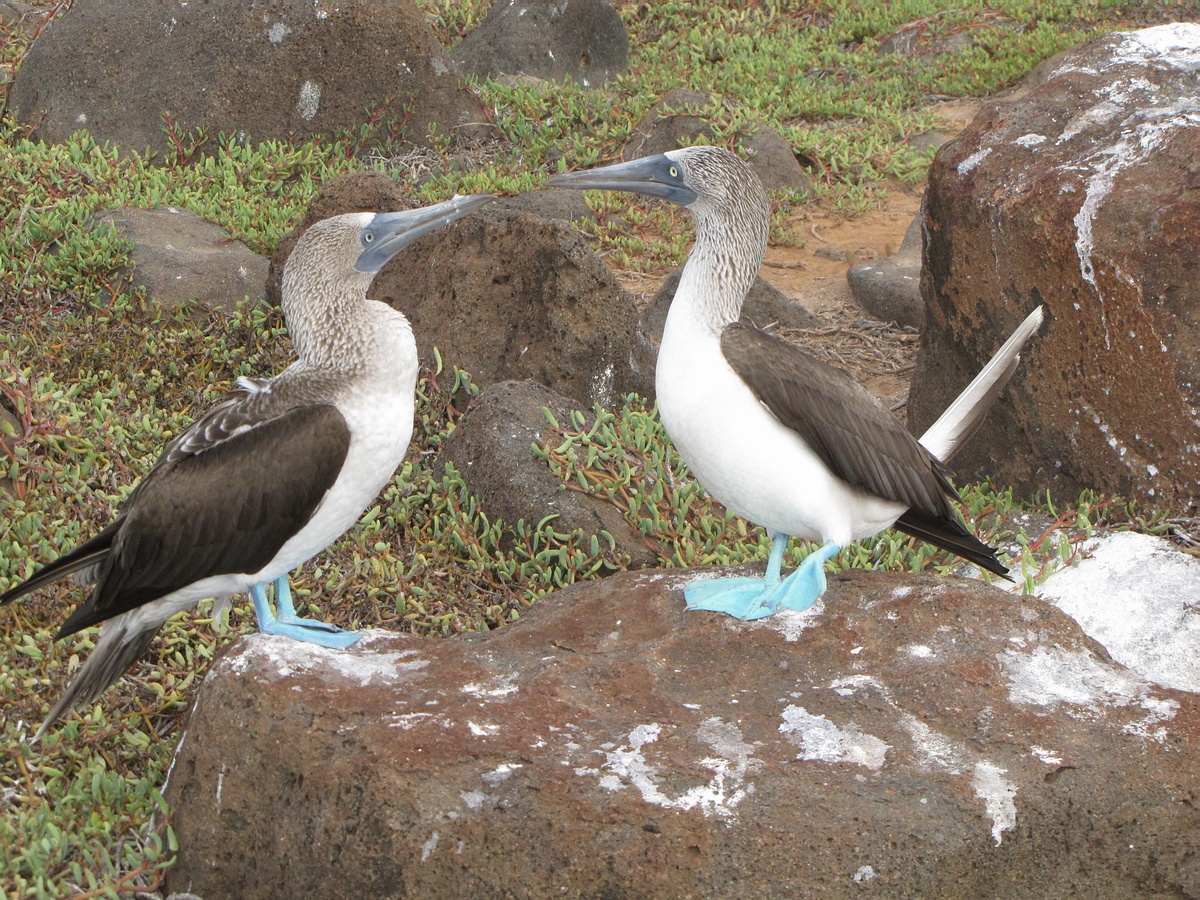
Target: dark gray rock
point(24, 16)
point(676, 119)
point(178, 256)
point(774, 161)
point(1081, 196)
point(562, 206)
point(765, 305)
point(584, 40)
point(911, 736)
point(287, 70)
point(509, 296)
point(890, 289)
point(682, 116)
point(491, 448)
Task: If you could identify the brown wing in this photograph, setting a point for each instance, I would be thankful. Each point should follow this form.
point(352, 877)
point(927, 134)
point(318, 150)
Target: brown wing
point(228, 509)
point(856, 438)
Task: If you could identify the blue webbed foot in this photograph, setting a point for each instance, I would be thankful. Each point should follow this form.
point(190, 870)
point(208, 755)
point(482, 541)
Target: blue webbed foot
point(739, 597)
point(802, 588)
point(754, 598)
point(291, 625)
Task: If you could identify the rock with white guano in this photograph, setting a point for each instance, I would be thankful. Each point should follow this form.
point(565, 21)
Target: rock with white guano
point(1082, 196)
point(911, 735)
point(1139, 596)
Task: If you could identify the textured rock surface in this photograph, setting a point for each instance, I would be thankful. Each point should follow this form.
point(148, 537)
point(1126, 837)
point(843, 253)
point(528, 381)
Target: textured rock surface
point(23, 16)
point(908, 737)
point(584, 40)
point(890, 289)
point(765, 305)
point(178, 256)
point(564, 206)
point(490, 447)
point(290, 69)
point(679, 118)
point(1084, 196)
point(512, 296)
point(1139, 596)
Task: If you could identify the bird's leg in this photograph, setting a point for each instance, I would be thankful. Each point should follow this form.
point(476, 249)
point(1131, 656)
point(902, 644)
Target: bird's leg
point(293, 626)
point(284, 608)
point(801, 589)
point(742, 598)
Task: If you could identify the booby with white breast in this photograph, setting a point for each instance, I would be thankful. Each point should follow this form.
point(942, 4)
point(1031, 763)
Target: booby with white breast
point(778, 436)
point(274, 473)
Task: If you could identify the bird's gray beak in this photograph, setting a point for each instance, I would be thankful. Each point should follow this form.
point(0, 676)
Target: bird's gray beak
point(389, 233)
point(654, 176)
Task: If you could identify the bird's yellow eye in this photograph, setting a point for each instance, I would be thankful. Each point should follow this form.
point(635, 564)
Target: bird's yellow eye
point(674, 172)
point(368, 237)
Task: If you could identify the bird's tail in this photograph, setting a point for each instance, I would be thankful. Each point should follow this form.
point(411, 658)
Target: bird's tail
point(951, 535)
point(122, 640)
point(965, 414)
point(86, 556)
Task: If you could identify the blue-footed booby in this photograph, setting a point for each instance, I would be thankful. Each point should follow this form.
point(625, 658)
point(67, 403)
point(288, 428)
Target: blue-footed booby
point(778, 436)
point(275, 472)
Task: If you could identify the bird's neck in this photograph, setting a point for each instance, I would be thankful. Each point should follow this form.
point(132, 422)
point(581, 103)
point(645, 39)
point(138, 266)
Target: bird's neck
point(335, 327)
point(720, 270)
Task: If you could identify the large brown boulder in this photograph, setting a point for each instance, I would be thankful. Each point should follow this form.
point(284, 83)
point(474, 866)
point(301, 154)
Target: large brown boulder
point(507, 295)
point(1085, 196)
point(288, 70)
point(911, 736)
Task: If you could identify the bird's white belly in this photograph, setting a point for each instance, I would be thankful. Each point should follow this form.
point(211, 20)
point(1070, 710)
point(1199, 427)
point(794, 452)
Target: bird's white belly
point(748, 460)
point(379, 436)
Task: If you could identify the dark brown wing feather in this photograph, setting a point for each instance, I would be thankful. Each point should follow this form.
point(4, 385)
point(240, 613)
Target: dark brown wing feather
point(87, 554)
point(856, 438)
point(227, 506)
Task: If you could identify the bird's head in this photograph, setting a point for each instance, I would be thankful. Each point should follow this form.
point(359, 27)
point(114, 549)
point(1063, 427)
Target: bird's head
point(326, 277)
point(353, 247)
point(703, 179)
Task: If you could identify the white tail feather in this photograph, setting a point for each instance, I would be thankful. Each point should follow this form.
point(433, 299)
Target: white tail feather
point(962, 417)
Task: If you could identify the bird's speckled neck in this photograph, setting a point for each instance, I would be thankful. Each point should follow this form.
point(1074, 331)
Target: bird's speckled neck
point(332, 324)
point(732, 216)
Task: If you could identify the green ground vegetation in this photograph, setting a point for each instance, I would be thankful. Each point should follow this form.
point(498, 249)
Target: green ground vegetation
point(99, 378)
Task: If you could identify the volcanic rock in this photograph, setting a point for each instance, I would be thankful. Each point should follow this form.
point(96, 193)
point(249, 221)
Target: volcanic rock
point(491, 447)
point(890, 289)
point(912, 736)
point(1083, 196)
point(584, 40)
point(289, 70)
point(178, 256)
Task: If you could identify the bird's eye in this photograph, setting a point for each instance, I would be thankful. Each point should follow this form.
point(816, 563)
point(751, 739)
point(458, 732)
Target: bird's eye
point(368, 237)
point(674, 171)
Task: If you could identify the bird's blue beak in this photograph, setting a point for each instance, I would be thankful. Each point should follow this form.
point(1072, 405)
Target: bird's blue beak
point(389, 233)
point(654, 176)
